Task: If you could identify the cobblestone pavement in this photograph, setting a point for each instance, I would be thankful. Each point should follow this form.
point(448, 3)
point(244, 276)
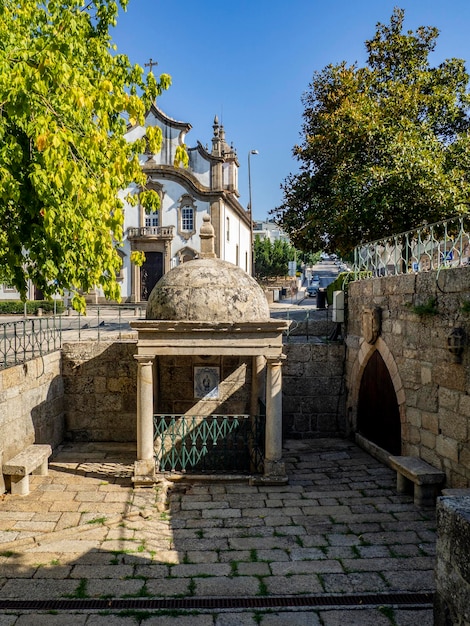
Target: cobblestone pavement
point(338, 528)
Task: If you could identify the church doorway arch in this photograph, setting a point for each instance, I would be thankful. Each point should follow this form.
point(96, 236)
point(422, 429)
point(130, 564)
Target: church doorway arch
point(378, 414)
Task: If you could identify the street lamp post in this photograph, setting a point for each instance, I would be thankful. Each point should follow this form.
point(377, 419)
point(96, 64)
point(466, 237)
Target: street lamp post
point(250, 211)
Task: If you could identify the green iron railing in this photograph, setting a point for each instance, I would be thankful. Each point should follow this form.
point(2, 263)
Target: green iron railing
point(212, 443)
point(429, 247)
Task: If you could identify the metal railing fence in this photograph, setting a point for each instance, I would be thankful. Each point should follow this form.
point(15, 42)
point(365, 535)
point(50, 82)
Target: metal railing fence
point(25, 339)
point(209, 443)
point(429, 247)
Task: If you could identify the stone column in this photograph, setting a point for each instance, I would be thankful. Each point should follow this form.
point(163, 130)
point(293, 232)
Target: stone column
point(144, 471)
point(274, 468)
point(135, 283)
point(257, 383)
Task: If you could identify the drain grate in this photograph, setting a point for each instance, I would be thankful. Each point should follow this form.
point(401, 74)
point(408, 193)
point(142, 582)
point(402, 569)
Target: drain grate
point(420, 600)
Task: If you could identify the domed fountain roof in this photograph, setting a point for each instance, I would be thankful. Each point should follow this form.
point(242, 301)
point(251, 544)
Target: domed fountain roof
point(207, 289)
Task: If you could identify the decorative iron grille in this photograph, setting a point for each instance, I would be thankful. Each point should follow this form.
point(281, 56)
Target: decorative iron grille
point(27, 339)
point(212, 443)
point(430, 247)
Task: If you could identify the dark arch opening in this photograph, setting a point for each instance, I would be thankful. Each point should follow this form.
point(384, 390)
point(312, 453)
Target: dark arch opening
point(378, 416)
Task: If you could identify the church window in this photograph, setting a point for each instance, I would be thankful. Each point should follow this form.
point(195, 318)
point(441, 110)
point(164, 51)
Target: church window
point(186, 216)
point(228, 229)
point(152, 219)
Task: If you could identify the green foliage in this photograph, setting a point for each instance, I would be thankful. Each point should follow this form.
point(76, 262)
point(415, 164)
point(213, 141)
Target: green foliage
point(66, 98)
point(427, 309)
point(342, 281)
point(465, 306)
point(17, 307)
point(385, 147)
point(272, 259)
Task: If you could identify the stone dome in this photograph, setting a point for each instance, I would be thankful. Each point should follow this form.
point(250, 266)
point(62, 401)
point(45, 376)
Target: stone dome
point(207, 290)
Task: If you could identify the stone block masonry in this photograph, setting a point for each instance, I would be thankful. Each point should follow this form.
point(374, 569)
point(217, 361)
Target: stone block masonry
point(31, 404)
point(452, 603)
point(432, 387)
point(100, 388)
point(313, 390)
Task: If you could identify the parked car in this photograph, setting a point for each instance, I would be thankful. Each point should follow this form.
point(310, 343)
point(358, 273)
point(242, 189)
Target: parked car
point(313, 286)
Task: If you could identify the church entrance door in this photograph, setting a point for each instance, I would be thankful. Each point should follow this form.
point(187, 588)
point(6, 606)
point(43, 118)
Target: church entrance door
point(150, 273)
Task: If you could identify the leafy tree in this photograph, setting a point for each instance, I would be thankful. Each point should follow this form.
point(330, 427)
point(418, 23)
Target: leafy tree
point(66, 98)
point(385, 147)
point(272, 259)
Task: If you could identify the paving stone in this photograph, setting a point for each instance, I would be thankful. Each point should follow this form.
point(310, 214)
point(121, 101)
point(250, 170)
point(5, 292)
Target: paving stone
point(254, 569)
point(373, 552)
point(168, 587)
point(272, 555)
point(388, 564)
point(353, 583)
point(181, 620)
point(109, 620)
point(113, 587)
point(202, 544)
point(356, 617)
point(8, 535)
point(407, 617)
point(34, 619)
point(202, 504)
point(289, 529)
point(235, 555)
point(200, 569)
point(297, 584)
point(51, 571)
point(196, 556)
point(37, 589)
point(410, 580)
point(8, 620)
point(313, 540)
point(221, 513)
point(306, 554)
point(101, 571)
point(238, 586)
point(305, 567)
point(261, 543)
point(291, 618)
point(235, 619)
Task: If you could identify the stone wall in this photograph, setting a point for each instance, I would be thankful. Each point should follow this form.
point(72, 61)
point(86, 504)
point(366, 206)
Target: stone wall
point(313, 390)
point(175, 390)
point(31, 404)
point(452, 599)
point(100, 382)
point(432, 389)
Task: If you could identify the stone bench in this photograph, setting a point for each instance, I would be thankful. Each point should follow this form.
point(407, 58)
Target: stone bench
point(416, 476)
point(32, 460)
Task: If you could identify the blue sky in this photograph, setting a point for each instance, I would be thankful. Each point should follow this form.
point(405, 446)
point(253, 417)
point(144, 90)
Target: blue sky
point(249, 61)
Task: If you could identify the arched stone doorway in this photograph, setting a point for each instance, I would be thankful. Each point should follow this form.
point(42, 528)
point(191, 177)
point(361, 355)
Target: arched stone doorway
point(378, 414)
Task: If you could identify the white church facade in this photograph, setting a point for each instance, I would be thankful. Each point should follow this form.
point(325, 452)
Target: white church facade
point(170, 236)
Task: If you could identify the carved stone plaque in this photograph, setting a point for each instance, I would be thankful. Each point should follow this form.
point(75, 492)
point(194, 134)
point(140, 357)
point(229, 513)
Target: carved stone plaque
point(371, 318)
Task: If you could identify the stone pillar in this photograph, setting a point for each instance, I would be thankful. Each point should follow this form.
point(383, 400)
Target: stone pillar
point(135, 283)
point(257, 383)
point(144, 470)
point(274, 469)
